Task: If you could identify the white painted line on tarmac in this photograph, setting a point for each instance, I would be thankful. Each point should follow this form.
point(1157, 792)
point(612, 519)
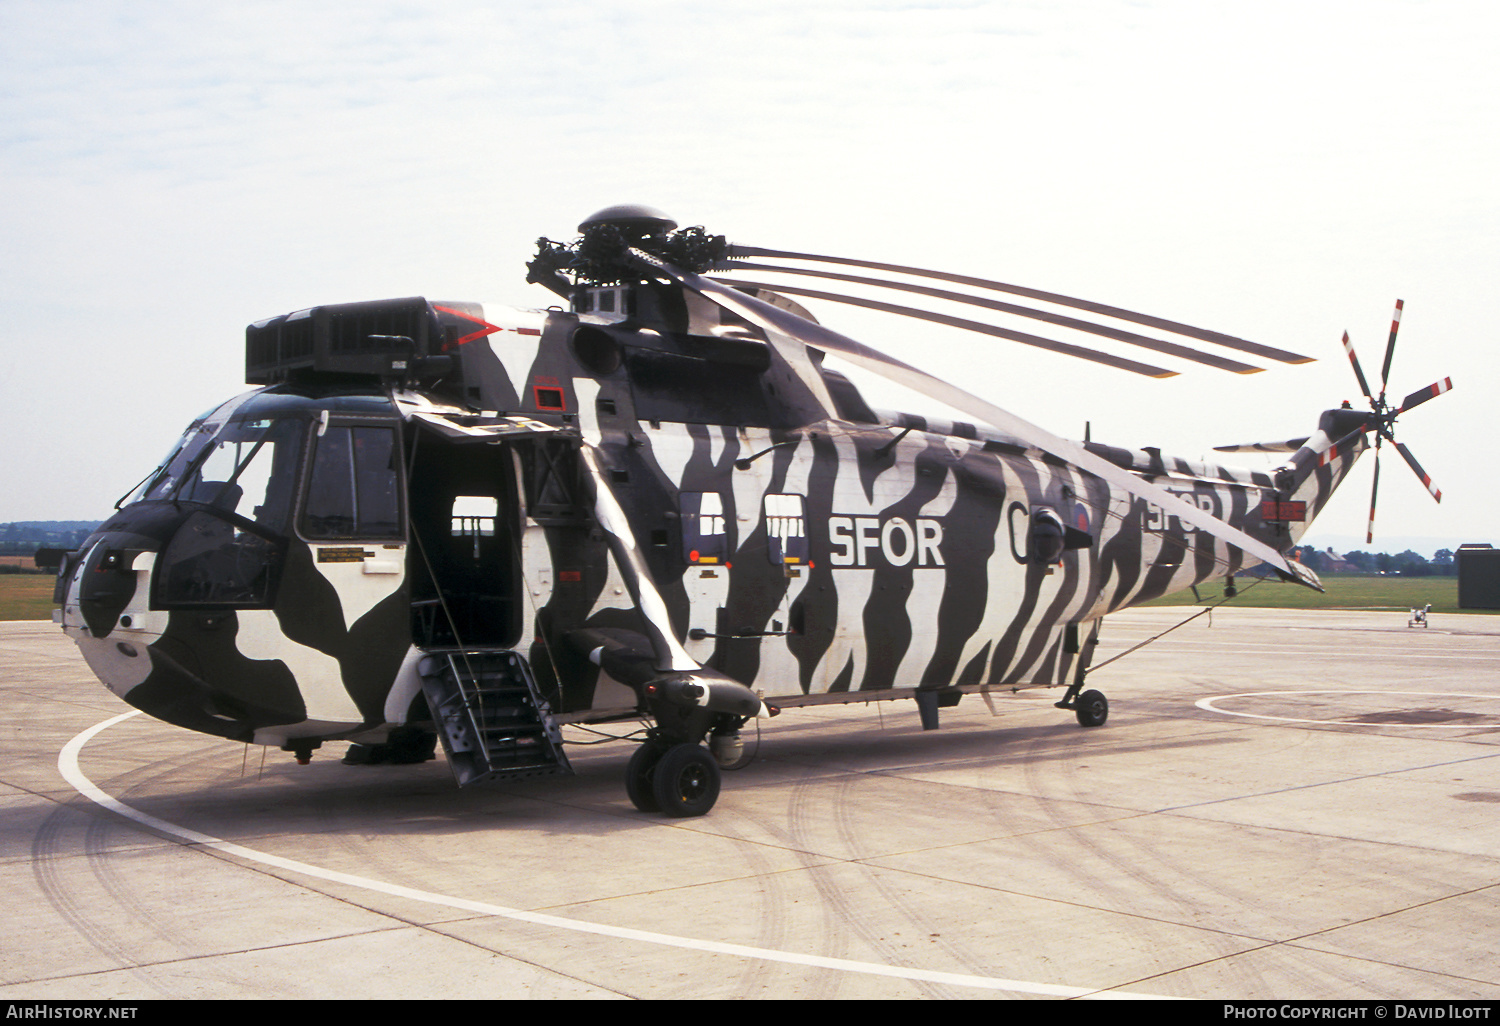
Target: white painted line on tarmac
point(1208, 703)
point(67, 764)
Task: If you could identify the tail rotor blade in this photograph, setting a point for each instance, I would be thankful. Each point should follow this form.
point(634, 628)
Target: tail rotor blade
point(1411, 461)
point(1341, 449)
point(1374, 491)
point(1420, 396)
point(1390, 347)
point(1364, 386)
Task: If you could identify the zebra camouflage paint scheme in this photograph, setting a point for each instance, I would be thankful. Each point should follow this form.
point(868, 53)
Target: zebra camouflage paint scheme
point(693, 537)
point(918, 570)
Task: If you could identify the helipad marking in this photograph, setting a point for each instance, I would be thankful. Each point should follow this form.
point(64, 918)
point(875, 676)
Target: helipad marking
point(67, 765)
point(1208, 704)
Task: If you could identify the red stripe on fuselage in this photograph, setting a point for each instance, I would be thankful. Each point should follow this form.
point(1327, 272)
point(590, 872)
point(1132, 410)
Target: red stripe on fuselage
point(488, 329)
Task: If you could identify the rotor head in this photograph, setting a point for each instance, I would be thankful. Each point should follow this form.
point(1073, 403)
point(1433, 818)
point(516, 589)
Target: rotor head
point(632, 219)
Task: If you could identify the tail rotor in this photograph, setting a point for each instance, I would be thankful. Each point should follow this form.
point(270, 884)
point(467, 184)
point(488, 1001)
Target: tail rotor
point(1383, 418)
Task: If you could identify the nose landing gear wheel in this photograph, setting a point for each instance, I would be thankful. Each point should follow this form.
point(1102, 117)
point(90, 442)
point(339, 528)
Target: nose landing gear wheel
point(639, 774)
point(686, 781)
point(1092, 709)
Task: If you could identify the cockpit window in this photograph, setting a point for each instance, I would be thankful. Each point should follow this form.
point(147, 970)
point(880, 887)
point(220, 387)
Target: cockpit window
point(247, 467)
point(164, 480)
point(250, 470)
point(353, 490)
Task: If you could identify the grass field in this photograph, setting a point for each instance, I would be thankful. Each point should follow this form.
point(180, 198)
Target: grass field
point(29, 596)
point(26, 596)
point(1345, 591)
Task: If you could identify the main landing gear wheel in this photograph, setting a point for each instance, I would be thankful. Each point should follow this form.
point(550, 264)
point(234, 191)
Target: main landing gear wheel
point(686, 781)
point(1091, 708)
point(639, 774)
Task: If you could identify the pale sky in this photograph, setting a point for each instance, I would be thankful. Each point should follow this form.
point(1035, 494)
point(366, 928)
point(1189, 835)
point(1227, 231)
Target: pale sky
point(170, 172)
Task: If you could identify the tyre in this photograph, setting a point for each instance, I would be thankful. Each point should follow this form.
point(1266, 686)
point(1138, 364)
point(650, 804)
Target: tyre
point(1092, 709)
point(638, 776)
point(686, 781)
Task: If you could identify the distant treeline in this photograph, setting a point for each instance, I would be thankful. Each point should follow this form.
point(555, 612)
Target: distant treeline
point(1407, 564)
point(24, 537)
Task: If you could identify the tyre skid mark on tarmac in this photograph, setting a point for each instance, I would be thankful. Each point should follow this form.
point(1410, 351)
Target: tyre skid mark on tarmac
point(60, 878)
point(895, 898)
point(68, 766)
point(771, 894)
point(803, 816)
point(1159, 871)
point(844, 913)
point(47, 868)
point(1124, 857)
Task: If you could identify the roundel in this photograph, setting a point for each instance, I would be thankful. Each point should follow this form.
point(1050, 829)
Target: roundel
point(1080, 516)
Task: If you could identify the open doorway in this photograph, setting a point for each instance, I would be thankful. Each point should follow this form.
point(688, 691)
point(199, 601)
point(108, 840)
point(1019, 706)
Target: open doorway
point(465, 558)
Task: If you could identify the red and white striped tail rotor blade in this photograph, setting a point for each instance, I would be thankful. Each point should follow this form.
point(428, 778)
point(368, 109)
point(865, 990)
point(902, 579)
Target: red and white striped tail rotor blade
point(1343, 448)
point(1411, 461)
point(1374, 490)
point(1420, 396)
point(1390, 346)
point(1364, 386)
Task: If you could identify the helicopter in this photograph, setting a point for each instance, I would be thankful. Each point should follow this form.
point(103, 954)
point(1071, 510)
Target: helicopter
point(463, 522)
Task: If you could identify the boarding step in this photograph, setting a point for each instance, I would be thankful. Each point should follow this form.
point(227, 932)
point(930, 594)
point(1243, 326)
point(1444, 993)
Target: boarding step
point(492, 722)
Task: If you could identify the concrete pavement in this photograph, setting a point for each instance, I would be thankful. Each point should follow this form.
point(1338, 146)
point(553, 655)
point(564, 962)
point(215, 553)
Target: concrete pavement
point(1338, 838)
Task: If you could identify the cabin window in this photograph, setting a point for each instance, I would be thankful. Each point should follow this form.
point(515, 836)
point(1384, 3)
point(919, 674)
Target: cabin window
point(473, 517)
point(786, 529)
point(353, 490)
point(704, 530)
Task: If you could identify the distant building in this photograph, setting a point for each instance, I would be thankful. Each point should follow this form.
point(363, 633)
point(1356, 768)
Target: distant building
point(1334, 563)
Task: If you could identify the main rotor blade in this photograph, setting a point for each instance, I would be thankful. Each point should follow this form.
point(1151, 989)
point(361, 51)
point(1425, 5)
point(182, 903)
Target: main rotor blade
point(1050, 345)
point(1390, 347)
point(779, 322)
point(1290, 445)
point(1364, 386)
point(1061, 320)
point(1176, 327)
point(1420, 396)
point(1411, 461)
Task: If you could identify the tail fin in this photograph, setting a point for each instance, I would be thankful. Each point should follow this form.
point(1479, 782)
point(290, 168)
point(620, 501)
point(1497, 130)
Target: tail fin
point(1309, 478)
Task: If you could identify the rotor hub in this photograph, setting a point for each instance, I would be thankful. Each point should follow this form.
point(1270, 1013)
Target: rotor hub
point(632, 219)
